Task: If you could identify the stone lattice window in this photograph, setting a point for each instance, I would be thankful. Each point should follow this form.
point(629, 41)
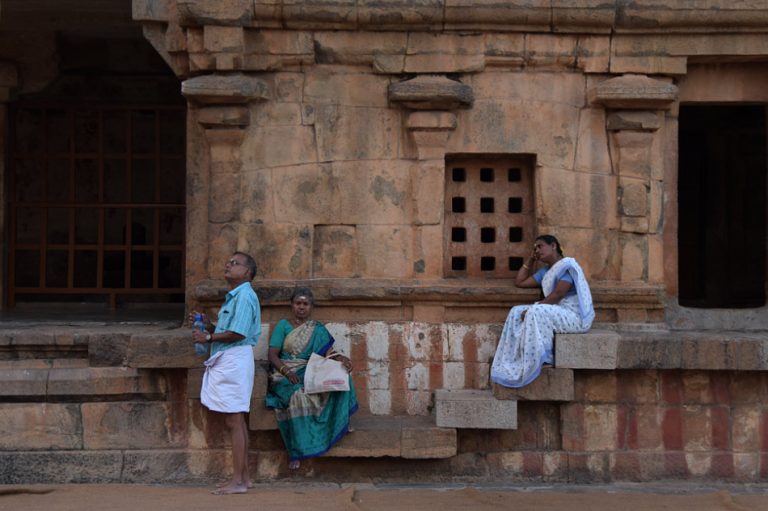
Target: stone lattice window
point(489, 222)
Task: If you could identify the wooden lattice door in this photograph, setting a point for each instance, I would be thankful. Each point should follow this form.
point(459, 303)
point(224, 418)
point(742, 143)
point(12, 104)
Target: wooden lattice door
point(96, 203)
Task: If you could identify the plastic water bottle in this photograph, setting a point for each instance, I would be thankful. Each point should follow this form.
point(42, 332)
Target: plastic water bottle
point(200, 347)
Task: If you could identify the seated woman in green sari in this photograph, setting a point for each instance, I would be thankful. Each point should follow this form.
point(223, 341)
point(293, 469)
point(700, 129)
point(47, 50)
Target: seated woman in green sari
point(310, 424)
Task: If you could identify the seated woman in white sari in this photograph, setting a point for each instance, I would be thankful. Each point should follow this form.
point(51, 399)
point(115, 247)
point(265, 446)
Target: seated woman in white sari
point(526, 341)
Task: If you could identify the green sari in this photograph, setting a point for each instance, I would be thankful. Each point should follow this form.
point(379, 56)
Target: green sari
point(310, 424)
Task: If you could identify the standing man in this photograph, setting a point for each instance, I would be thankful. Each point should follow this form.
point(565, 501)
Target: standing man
point(228, 378)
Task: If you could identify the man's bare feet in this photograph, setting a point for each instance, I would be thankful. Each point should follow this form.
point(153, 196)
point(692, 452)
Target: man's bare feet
point(232, 488)
point(294, 465)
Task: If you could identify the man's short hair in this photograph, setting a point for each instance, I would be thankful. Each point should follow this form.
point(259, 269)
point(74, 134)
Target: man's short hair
point(250, 263)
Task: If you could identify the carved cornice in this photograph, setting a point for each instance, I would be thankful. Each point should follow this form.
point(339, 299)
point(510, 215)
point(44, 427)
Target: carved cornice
point(635, 92)
point(224, 89)
point(431, 93)
point(590, 16)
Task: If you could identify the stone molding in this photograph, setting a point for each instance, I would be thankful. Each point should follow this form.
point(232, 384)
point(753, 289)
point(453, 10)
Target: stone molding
point(431, 92)
point(633, 91)
point(378, 292)
point(431, 97)
point(234, 89)
point(586, 16)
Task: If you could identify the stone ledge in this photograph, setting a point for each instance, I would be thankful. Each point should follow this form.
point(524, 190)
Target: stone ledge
point(327, 291)
point(475, 409)
point(78, 381)
point(663, 349)
point(413, 437)
point(162, 349)
point(553, 384)
point(537, 15)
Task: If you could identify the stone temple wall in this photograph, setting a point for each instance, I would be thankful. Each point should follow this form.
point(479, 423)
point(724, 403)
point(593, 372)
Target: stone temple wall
point(318, 135)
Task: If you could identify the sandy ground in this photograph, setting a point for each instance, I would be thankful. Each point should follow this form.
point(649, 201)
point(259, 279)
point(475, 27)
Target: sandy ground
point(308, 497)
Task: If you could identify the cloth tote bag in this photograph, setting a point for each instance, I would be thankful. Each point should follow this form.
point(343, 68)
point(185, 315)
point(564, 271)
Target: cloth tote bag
point(325, 375)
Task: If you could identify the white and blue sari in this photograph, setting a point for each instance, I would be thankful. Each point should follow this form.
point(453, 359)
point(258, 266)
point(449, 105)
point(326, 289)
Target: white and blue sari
point(527, 339)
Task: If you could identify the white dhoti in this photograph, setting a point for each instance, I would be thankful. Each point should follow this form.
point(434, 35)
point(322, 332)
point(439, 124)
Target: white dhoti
point(228, 380)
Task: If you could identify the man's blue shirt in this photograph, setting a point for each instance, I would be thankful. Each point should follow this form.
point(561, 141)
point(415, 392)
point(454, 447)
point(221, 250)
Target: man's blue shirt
point(241, 313)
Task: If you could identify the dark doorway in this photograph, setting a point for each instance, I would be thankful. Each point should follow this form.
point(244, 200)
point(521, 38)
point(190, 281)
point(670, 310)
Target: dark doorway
point(722, 212)
point(96, 195)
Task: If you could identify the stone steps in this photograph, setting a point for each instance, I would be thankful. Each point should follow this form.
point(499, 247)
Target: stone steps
point(37, 378)
point(474, 409)
point(658, 348)
point(411, 437)
point(553, 384)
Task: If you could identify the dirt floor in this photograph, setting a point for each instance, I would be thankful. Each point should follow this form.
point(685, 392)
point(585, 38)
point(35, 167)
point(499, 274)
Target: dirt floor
point(308, 497)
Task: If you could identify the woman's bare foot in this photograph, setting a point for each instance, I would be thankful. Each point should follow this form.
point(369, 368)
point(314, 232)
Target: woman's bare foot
point(294, 465)
point(233, 487)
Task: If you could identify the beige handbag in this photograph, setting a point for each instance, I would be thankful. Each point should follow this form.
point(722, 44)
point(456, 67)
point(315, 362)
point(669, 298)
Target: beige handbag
point(325, 375)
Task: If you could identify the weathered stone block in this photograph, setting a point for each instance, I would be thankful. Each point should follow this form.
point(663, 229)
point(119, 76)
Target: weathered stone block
point(334, 251)
point(594, 350)
point(61, 467)
point(102, 381)
point(256, 197)
point(422, 442)
point(194, 382)
point(485, 14)
point(553, 384)
point(174, 466)
point(548, 129)
point(649, 353)
point(23, 382)
point(40, 426)
point(166, 348)
point(373, 193)
point(306, 194)
point(568, 89)
point(202, 12)
point(279, 146)
point(562, 193)
point(373, 437)
point(633, 197)
point(323, 87)
point(385, 251)
point(474, 409)
point(431, 93)
point(548, 51)
point(592, 153)
point(633, 257)
point(635, 91)
point(633, 153)
point(420, 15)
point(218, 38)
point(359, 47)
point(222, 242)
point(278, 114)
point(226, 89)
point(282, 250)
point(260, 417)
point(223, 116)
point(108, 350)
point(594, 54)
point(126, 425)
point(340, 137)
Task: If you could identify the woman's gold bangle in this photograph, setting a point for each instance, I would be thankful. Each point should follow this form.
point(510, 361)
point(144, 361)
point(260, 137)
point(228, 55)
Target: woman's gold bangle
point(526, 267)
point(283, 369)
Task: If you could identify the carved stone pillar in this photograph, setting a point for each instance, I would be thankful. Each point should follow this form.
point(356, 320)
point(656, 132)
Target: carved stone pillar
point(220, 104)
point(635, 121)
point(431, 100)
